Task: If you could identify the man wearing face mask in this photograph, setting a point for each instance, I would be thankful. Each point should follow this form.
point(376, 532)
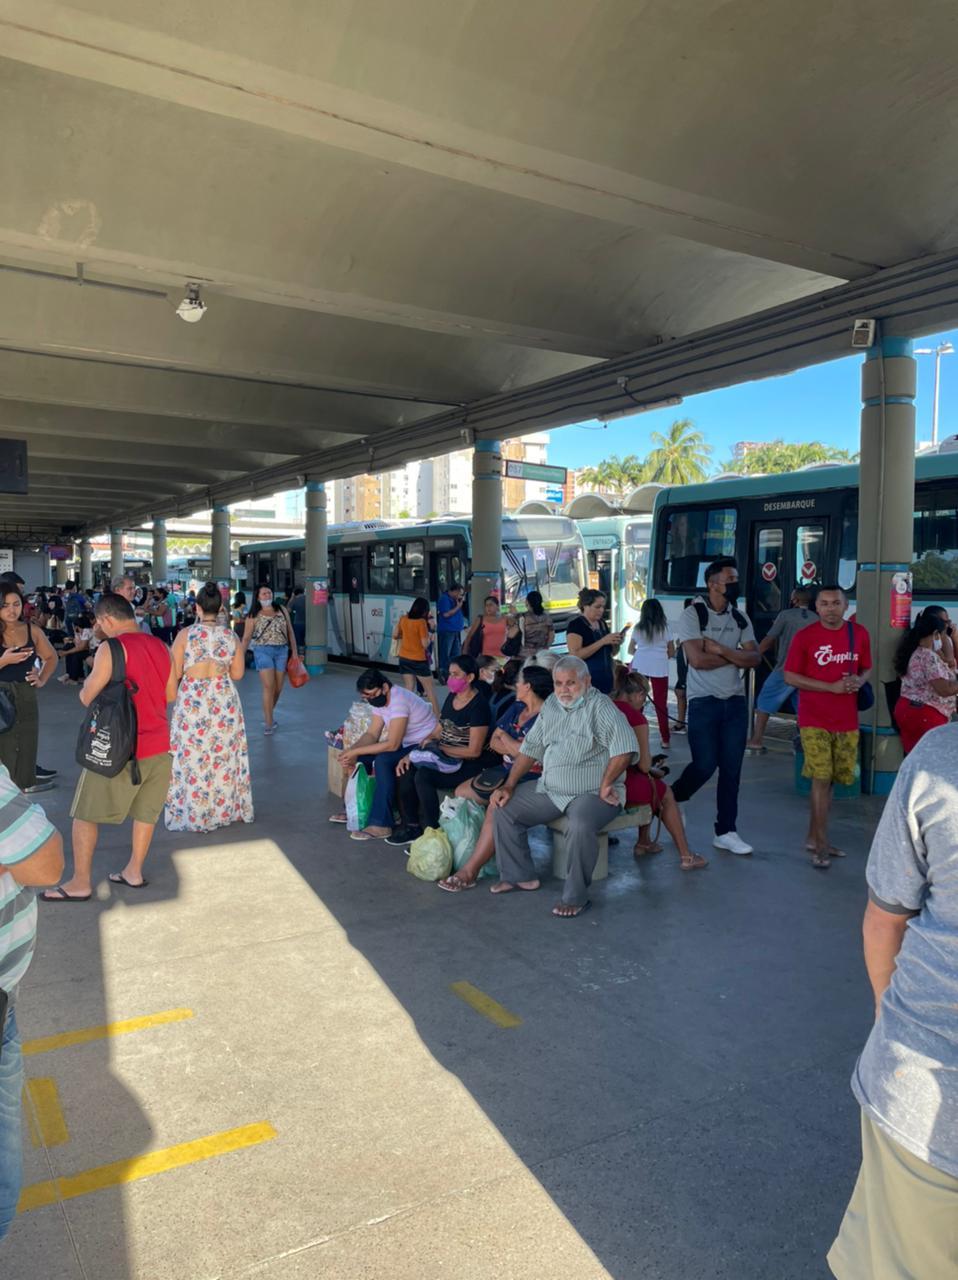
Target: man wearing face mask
point(584, 744)
point(408, 721)
point(719, 644)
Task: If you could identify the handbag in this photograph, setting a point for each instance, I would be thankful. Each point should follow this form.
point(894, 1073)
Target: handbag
point(474, 648)
point(866, 694)
point(296, 670)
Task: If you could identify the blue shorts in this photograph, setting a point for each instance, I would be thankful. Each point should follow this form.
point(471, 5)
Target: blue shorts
point(270, 657)
point(775, 694)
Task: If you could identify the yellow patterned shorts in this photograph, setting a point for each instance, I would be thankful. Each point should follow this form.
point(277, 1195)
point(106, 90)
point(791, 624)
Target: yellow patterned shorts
point(830, 757)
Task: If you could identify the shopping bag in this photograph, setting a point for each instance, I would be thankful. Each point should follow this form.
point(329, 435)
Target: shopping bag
point(297, 673)
point(430, 856)
point(462, 827)
point(365, 789)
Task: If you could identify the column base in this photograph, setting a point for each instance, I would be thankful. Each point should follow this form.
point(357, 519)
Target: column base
point(315, 659)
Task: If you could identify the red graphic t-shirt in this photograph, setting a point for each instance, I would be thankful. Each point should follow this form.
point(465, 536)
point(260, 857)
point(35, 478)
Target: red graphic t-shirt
point(820, 654)
point(148, 666)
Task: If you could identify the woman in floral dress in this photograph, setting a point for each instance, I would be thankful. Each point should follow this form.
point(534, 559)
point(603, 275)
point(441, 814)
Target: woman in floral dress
point(210, 786)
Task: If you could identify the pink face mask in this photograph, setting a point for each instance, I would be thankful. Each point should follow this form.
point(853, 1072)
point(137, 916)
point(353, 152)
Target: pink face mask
point(457, 684)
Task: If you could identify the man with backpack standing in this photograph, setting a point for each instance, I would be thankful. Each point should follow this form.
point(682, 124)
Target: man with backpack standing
point(99, 798)
point(719, 644)
point(829, 662)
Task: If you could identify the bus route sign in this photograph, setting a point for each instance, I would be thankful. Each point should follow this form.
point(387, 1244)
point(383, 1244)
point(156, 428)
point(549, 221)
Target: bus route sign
point(535, 471)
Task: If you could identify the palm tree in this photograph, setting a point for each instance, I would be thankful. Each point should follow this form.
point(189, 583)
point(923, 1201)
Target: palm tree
point(615, 474)
point(679, 457)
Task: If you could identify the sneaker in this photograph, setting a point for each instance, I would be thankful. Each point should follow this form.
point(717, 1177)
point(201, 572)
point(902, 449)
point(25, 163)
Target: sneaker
point(403, 836)
point(268, 730)
point(679, 726)
point(44, 774)
point(38, 786)
point(732, 842)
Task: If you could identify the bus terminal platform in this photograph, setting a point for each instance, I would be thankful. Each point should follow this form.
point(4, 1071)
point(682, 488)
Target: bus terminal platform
point(287, 1058)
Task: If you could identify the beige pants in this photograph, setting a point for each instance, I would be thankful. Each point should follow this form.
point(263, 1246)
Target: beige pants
point(902, 1220)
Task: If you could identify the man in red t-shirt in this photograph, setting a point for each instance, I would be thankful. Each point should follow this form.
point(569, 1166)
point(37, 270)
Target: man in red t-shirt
point(828, 662)
point(113, 800)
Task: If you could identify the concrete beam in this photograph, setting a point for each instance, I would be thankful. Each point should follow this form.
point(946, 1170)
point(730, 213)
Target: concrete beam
point(133, 471)
point(245, 91)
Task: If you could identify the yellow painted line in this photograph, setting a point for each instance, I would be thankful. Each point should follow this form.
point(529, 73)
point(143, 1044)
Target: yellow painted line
point(485, 1005)
point(47, 1124)
point(86, 1034)
point(145, 1166)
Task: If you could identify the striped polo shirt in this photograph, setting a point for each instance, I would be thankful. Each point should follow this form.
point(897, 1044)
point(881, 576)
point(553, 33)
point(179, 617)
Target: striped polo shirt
point(24, 827)
point(574, 747)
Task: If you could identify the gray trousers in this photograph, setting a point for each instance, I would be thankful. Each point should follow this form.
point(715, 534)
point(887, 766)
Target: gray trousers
point(587, 816)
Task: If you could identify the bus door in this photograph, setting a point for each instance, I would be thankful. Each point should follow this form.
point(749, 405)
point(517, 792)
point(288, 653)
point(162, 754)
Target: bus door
point(355, 637)
point(784, 554)
point(445, 568)
point(603, 567)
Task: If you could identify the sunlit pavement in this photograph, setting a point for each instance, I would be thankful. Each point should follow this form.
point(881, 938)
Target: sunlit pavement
point(300, 1061)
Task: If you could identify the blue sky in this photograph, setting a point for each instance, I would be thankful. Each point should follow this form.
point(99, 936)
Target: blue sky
point(821, 403)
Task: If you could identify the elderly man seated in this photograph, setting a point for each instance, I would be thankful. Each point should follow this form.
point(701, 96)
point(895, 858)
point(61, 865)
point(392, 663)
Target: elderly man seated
point(584, 744)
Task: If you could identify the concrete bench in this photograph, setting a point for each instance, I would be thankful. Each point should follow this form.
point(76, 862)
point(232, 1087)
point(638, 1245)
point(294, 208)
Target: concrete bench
point(637, 817)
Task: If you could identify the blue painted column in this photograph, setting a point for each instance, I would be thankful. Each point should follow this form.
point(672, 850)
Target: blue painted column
point(886, 504)
point(486, 523)
point(221, 543)
point(317, 580)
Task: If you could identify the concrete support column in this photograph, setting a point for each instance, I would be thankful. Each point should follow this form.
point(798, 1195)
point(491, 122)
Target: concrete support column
point(317, 579)
point(221, 544)
point(86, 564)
point(886, 504)
point(116, 553)
point(62, 572)
point(159, 551)
point(486, 523)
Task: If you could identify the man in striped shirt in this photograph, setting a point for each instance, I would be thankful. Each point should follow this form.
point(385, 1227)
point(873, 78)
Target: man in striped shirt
point(584, 744)
point(31, 855)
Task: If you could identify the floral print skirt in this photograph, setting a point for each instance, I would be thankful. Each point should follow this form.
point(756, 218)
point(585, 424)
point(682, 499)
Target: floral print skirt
point(210, 786)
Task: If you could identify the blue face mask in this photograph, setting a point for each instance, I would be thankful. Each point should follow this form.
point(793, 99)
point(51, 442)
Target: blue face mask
point(571, 706)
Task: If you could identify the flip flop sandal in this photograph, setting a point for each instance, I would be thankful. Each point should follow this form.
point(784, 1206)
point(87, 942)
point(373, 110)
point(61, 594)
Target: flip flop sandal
point(575, 914)
point(821, 861)
point(117, 877)
point(338, 817)
point(641, 850)
point(695, 863)
point(361, 835)
point(59, 894)
point(452, 884)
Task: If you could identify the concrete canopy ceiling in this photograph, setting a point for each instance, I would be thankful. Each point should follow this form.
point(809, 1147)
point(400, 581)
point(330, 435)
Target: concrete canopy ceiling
point(404, 216)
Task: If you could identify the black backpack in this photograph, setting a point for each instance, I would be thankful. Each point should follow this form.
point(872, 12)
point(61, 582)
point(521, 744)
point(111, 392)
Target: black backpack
point(702, 613)
point(107, 739)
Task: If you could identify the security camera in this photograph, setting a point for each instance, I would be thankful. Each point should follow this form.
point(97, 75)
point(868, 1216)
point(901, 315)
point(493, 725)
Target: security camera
point(863, 333)
point(192, 308)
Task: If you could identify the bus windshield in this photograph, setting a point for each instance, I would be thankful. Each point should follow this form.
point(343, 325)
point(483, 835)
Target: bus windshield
point(555, 569)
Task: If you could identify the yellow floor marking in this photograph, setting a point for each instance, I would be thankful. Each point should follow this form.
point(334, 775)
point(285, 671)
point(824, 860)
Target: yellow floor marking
point(145, 1166)
point(84, 1036)
point(485, 1005)
point(48, 1127)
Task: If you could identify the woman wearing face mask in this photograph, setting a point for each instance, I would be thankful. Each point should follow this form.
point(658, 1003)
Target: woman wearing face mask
point(460, 735)
point(269, 633)
point(588, 638)
point(643, 785)
point(928, 685)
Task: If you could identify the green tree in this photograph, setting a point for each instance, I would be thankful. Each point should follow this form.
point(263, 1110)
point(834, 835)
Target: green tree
point(777, 456)
point(616, 474)
point(681, 456)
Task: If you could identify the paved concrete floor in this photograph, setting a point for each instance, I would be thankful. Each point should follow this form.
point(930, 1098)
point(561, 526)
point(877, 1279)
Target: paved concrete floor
point(673, 1106)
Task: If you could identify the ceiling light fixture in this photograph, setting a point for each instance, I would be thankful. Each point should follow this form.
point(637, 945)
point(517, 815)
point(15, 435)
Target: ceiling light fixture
point(192, 308)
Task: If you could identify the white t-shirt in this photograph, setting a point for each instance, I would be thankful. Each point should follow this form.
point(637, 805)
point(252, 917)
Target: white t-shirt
point(420, 719)
point(651, 657)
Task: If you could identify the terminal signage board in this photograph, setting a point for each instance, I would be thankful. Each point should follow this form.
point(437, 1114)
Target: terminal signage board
point(535, 471)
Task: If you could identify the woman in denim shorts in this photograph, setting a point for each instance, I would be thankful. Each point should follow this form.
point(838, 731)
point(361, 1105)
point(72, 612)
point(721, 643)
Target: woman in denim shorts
point(269, 633)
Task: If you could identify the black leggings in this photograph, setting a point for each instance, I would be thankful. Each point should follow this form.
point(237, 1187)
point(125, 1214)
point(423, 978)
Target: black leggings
point(419, 789)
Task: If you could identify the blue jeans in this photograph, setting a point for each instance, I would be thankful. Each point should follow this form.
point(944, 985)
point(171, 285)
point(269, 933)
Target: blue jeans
point(270, 657)
point(11, 1155)
point(450, 646)
point(382, 765)
point(718, 730)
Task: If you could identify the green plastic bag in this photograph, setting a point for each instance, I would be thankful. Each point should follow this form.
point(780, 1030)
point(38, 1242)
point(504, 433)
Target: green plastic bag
point(462, 827)
point(430, 856)
point(359, 798)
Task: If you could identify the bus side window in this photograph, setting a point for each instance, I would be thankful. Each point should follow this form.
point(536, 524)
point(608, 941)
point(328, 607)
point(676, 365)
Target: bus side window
point(381, 564)
point(848, 549)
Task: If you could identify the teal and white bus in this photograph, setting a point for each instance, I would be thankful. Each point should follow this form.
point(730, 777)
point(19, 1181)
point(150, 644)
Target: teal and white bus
point(376, 568)
point(800, 528)
point(617, 551)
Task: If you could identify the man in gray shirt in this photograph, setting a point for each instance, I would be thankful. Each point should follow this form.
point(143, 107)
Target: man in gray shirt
point(775, 693)
point(719, 644)
point(903, 1215)
point(584, 744)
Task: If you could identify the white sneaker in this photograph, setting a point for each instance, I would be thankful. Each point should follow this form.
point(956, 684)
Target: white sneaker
point(732, 842)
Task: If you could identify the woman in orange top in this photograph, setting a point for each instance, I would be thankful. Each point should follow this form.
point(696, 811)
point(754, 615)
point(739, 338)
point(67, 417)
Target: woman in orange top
point(493, 628)
point(413, 633)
